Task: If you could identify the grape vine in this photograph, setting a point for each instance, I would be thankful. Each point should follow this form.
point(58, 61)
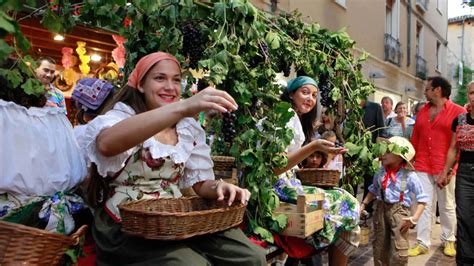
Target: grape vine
point(241, 50)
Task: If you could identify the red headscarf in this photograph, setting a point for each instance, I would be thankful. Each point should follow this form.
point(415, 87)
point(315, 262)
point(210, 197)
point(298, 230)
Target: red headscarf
point(144, 64)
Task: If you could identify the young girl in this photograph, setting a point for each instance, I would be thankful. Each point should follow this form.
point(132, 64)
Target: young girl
point(391, 187)
point(316, 160)
point(335, 161)
point(149, 146)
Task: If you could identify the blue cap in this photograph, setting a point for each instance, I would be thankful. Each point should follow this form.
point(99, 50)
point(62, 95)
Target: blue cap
point(296, 83)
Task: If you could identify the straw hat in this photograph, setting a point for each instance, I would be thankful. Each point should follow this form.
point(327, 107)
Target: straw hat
point(403, 142)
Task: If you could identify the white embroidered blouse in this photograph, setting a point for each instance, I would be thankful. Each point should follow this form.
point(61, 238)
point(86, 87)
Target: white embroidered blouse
point(154, 169)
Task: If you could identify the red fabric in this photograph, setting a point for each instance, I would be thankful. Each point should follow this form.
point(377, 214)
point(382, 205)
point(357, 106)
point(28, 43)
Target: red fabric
point(390, 174)
point(257, 242)
point(145, 63)
point(295, 247)
point(90, 255)
point(431, 140)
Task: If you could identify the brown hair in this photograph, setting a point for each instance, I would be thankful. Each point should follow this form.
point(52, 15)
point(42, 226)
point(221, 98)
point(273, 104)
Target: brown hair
point(45, 58)
point(307, 119)
point(323, 155)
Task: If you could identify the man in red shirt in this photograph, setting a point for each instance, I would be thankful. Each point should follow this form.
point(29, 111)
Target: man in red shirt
point(431, 139)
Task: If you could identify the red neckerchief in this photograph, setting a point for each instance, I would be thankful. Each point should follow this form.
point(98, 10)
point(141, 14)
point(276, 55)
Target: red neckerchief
point(391, 174)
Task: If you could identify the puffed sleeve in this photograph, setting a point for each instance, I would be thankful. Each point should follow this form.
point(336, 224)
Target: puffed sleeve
point(106, 165)
point(414, 185)
point(198, 166)
point(298, 133)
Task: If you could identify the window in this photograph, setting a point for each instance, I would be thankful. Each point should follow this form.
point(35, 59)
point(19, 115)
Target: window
point(341, 3)
point(438, 56)
point(392, 18)
point(419, 39)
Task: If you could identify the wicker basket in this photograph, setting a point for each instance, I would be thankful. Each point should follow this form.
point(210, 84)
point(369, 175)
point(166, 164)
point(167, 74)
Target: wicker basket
point(175, 219)
point(26, 245)
point(319, 177)
point(223, 163)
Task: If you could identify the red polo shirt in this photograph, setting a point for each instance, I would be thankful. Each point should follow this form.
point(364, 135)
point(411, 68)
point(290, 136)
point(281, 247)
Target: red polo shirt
point(431, 139)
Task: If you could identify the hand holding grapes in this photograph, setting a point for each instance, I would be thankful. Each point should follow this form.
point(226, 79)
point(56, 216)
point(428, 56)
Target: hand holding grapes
point(208, 99)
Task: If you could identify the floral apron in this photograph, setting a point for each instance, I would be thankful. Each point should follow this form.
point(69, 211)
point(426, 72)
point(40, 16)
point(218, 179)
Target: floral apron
point(144, 178)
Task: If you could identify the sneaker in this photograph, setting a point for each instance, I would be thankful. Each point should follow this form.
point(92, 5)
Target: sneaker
point(449, 249)
point(418, 249)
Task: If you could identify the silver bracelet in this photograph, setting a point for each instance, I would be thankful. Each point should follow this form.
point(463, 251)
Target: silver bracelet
point(412, 221)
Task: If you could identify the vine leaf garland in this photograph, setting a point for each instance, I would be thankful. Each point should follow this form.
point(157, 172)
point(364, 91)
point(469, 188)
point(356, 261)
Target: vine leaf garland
point(243, 51)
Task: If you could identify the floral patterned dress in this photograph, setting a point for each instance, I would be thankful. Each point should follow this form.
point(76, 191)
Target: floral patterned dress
point(341, 208)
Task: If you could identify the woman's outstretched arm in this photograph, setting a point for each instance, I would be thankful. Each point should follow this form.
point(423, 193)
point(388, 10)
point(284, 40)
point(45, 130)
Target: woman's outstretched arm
point(136, 129)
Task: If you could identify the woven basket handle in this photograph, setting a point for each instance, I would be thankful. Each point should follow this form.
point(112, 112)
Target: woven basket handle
point(76, 236)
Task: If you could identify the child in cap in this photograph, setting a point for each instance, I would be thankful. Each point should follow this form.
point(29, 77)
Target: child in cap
point(391, 187)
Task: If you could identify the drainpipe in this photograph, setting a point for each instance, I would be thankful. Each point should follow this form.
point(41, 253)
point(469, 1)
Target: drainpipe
point(408, 32)
point(461, 64)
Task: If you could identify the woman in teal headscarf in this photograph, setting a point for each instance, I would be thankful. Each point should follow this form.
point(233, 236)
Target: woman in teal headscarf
point(341, 222)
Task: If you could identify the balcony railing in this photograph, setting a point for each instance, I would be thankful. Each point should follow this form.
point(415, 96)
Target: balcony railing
point(393, 52)
point(421, 69)
point(422, 4)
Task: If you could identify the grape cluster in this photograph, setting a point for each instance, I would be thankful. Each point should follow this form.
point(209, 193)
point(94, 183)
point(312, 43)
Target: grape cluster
point(193, 43)
point(285, 67)
point(202, 84)
point(228, 126)
point(301, 72)
point(324, 89)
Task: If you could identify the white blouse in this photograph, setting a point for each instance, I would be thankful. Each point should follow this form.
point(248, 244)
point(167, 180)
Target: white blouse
point(39, 154)
point(191, 148)
point(298, 133)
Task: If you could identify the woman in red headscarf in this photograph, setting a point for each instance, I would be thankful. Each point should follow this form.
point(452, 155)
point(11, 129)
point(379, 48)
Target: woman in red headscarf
point(147, 145)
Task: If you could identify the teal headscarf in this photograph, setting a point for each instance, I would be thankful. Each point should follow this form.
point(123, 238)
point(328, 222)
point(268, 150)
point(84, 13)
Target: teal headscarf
point(296, 83)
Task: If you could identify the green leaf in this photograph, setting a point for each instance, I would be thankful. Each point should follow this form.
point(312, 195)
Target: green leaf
point(273, 40)
point(282, 221)
point(72, 254)
point(33, 87)
point(187, 3)
point(264, 234)
point(170, 13)
point(52, 22)
point(5, 49)
point(352, 148)
point(363, 155)
point(23, 43)
point(220, 10)
point(6, 22)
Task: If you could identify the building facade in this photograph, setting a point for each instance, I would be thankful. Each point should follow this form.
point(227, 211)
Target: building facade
point(460, 46)
point(406, 39)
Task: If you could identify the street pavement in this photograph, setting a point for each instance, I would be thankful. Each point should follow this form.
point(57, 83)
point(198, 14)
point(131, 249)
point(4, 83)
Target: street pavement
point(363, 256)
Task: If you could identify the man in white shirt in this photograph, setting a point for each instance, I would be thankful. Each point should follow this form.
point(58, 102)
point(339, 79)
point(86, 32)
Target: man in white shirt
point(387, 108)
